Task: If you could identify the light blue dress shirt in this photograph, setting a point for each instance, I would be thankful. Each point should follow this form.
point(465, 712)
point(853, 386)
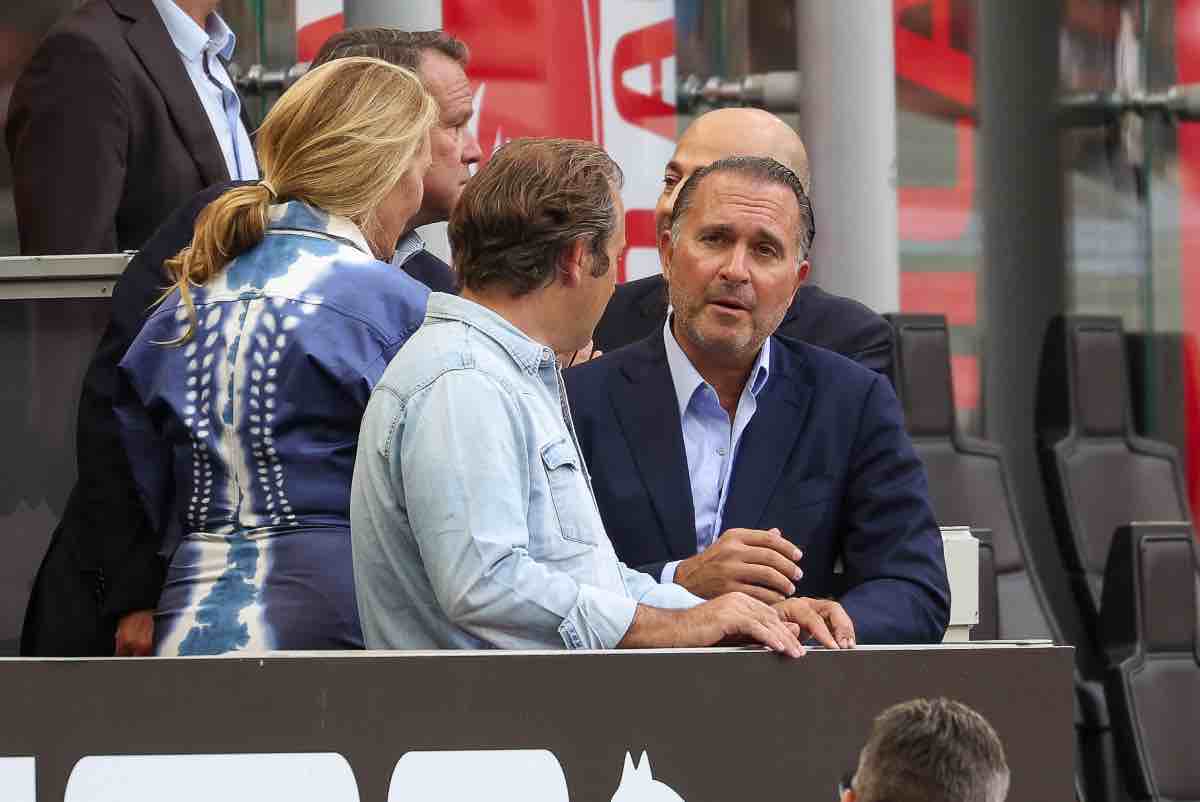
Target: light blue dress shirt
point(472, 517)
point(408, 247)
point(710, 438)
point(201, 51)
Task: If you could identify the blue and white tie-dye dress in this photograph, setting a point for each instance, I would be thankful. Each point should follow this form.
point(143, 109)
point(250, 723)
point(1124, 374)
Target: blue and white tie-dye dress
point(242, 440)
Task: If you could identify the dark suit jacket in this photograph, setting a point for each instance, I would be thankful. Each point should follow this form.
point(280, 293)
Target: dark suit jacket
point(825, 459)
point(103, 558)
point(106, 133)
point(638, 308)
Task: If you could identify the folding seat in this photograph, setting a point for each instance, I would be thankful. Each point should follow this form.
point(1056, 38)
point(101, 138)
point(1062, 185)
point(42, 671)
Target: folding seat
point(1151, 636)
point(969, 483)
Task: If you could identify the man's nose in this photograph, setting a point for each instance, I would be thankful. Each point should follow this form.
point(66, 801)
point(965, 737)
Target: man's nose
point(472, 153)
point(735, 267)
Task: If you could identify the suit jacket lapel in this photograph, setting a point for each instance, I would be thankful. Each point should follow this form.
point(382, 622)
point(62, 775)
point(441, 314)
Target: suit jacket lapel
point(644, 399)
point(148, 38)
point(767, 443)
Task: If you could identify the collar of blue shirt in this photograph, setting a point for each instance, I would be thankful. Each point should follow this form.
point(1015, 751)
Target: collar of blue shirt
point(190, 39)
point(529, 354)
point(408, 247)
point(300, 217)
point(688, 380)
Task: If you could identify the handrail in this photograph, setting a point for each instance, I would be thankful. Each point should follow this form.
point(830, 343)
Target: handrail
point(67, 276)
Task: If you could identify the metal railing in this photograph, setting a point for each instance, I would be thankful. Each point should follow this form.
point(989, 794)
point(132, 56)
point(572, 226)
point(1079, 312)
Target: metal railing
point(74, 276)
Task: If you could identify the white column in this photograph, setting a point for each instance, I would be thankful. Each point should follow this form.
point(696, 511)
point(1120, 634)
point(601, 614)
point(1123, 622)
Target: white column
point(848, 121)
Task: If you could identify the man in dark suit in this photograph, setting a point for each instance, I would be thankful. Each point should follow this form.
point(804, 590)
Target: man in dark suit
point(98, 585)
point(840, 324)
point(724, 458)
point(124, 113)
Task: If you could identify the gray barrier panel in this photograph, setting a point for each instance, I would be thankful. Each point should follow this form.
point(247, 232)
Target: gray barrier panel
point(715, 724)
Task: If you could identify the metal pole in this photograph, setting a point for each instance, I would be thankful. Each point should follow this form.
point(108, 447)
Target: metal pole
point(1024, 266)
point(411, 15)
point(848, 121)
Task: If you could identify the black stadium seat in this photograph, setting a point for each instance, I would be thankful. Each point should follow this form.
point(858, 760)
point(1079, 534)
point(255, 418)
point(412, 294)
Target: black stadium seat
point(968, 479)
point(1099, 474)
point(1151, 633)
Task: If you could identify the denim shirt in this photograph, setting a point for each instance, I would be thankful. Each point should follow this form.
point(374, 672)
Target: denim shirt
point(472, 516)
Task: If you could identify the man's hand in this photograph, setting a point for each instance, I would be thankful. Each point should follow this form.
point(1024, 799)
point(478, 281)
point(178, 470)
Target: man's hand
point(135, 634)
point(732, 619)
point(822, 619)
point(760, 564)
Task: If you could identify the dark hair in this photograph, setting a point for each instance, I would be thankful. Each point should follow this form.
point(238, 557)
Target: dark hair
point(931, 750)
point(393, 45)
point(533, 200)
point(761, 169)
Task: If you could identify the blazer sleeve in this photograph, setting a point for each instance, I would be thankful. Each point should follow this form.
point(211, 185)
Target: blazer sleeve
point(67, 136)
point(895, 567)
point(114, 533)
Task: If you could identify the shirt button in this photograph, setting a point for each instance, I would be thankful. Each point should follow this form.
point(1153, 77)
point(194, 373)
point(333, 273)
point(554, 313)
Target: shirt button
point(721, 451)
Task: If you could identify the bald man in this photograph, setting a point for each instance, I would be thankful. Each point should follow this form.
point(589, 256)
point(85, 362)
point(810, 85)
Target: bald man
point(839, 324)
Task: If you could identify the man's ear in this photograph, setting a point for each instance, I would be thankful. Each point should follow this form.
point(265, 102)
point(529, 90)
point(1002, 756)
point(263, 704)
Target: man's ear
point(666, 247)
point(801, 277)
point(571, 264)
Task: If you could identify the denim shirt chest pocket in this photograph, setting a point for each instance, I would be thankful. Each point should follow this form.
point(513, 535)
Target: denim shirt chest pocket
point(569, 497)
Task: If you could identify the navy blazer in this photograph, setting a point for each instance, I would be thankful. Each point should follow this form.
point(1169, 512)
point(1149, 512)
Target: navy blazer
point(825, 459)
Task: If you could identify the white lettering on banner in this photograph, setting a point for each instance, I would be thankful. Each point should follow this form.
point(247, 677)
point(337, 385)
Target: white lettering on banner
point(295, 777)
point(637, 79)
point(18, 779)
point(639, 785)
point(498, 775)
point(495, 775)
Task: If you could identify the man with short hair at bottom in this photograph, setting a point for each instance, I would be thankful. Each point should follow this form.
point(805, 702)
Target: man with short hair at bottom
point(472, 517)
point(719, 452)
point(98, 584)
point(929, 750)
point(816, 317)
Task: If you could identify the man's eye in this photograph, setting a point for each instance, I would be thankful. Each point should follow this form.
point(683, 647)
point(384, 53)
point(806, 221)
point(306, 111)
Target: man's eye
point(669, 181)
point(767, 251)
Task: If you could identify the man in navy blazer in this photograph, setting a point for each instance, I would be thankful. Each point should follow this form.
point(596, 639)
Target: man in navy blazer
point(716, 448)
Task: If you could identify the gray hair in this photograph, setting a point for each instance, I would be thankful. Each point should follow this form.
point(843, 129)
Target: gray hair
point(931, 750)
point(760, 169)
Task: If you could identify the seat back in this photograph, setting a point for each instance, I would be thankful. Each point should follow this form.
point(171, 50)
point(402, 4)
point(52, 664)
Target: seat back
point(968, 478)
point(1099, 474)
point(1151, 634)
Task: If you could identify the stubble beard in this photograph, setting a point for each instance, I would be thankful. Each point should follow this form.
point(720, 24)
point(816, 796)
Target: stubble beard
point(731, 344)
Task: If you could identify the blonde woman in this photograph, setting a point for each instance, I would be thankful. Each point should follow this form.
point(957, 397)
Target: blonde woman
point(244, 390)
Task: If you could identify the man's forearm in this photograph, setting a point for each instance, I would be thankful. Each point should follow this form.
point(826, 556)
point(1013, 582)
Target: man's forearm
point(654, 628)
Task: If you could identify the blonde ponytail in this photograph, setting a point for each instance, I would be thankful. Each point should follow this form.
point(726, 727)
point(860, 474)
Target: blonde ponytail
point(339, 139)
point(230, 225)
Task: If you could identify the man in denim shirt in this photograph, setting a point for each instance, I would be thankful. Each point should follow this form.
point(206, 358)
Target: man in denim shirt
point(472, 515)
